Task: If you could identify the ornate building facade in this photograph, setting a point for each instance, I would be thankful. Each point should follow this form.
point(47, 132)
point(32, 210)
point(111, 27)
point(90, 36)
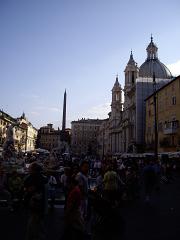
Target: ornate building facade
point(24, 132)
point(128, 123)
point(29, 133)
point(115, 118)
point(5, 121)
point(127, 120)
point(103, 138)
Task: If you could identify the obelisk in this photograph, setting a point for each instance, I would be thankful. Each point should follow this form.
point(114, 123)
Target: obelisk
point(64, 113)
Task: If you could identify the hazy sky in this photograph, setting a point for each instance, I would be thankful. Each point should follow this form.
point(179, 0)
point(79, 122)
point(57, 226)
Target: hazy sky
point(49, 45)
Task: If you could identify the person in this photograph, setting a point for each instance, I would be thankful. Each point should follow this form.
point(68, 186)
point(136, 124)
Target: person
point(99, 165)
point(131, 184)
point(99, 181)
point(82, 178)
point(95, 167)
point(149, 177)
point(74, 223)
point(65, 182)
point(20, 160)
point(158, 171)
point(122, 170)
point(107, 222)
point(4, 193)
point(15, 185)
point(35, 200)
point(110, 185)
point(52, 183)
point(75, 170)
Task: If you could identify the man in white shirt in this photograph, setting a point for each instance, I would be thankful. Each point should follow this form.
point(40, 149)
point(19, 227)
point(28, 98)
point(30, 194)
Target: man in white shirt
point(82, 178)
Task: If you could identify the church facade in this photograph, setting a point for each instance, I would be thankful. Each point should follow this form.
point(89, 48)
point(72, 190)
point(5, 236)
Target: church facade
point(127, 119)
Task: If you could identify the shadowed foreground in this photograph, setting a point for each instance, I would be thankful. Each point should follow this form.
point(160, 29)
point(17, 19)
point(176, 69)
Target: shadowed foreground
point(159, 219)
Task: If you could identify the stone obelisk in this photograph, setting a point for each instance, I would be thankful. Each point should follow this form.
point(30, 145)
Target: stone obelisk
point(64, 113)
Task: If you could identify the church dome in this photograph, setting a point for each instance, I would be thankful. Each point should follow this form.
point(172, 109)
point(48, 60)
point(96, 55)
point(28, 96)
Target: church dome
point(153, 65)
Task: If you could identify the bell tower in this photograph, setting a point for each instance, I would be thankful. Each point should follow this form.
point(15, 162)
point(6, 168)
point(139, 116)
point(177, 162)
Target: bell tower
point(129, 113)
point(116, 104)
point(131, 73)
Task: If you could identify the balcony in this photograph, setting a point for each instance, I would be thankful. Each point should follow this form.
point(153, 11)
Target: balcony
point(171, 127)
point(170, 130)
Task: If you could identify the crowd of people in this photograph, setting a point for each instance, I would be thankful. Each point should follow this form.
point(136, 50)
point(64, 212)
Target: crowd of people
point(94, 191)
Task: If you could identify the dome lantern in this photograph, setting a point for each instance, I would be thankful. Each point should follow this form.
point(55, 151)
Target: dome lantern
point(153, 65)
point(152, 50)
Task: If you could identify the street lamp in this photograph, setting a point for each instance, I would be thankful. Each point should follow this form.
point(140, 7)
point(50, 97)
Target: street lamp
point(103, 145)
point(155, 119)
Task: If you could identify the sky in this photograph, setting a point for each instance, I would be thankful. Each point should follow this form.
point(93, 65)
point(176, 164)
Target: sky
point(47, 46)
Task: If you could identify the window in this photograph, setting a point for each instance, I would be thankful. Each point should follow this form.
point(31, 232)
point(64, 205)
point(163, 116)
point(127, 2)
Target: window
point(117, 97)
point(126, 76)
point(132, 77)
point(174, 100)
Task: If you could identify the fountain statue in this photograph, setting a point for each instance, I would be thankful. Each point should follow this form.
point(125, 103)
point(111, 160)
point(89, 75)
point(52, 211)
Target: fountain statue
point(9, 150)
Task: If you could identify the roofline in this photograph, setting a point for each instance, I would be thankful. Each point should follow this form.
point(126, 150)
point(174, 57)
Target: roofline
point(87, 120)
point(7, 115)
point(174, 79)
point(16, 119)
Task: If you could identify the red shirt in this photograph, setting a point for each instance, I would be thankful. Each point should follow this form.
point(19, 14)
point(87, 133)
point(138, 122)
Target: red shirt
point(74, 198)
